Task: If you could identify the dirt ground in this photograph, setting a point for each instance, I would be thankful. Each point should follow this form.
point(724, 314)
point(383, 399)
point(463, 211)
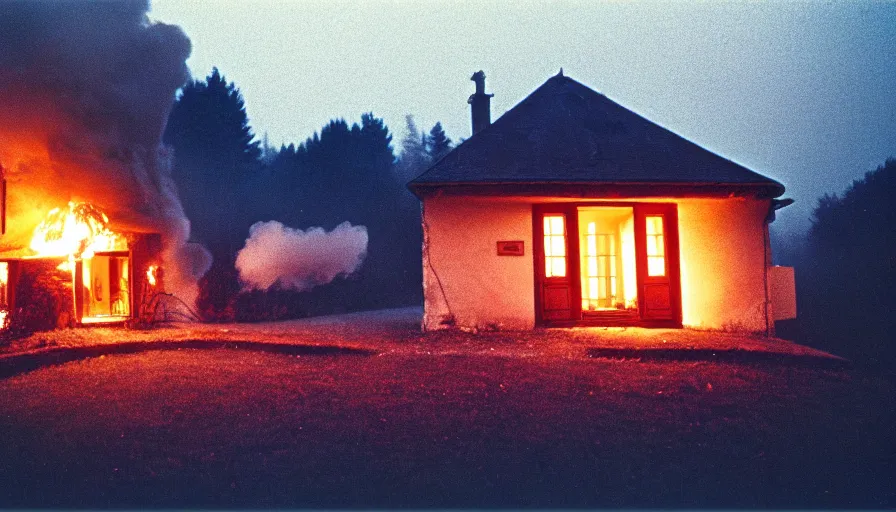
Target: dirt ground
point(490, 420)
point(398, 331)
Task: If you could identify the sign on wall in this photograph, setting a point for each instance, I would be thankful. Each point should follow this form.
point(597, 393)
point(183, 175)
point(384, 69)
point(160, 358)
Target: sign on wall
point(511, 248)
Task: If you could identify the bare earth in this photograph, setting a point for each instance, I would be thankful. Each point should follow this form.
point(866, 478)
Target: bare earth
point(398, 331)
point(444, 420)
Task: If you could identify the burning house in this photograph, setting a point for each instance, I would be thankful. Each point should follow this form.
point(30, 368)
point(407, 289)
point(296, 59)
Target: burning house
point(92, 226)
point(76, 270)
point(572, 210)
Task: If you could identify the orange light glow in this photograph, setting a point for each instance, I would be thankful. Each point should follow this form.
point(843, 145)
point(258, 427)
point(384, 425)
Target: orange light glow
point(77, 231)
point(607, 249)
point(151, 275)
point(4, 282)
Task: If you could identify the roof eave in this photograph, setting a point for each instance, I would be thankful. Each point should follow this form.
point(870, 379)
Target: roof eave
point(597, 190)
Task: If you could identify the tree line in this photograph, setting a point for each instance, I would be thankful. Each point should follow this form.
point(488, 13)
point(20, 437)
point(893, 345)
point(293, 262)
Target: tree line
point(229, 180)
point(846, 272)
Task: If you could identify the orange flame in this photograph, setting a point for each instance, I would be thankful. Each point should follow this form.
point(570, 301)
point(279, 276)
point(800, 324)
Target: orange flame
point(77, 232)
point(151, 274)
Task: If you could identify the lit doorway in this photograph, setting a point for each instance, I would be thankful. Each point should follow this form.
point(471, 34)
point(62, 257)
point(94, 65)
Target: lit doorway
point(607, 261)
point(607, 265)
point(105, 288)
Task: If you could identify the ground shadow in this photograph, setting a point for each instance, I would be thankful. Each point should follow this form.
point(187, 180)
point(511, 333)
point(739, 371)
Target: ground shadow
point(721, 356)
point(22, 363)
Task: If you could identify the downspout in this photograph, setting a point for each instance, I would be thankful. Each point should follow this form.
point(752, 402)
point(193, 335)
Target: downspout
point(428, 262)
point(774, 205)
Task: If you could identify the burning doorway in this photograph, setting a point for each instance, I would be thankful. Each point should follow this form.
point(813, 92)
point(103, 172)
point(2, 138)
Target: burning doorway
point(105, 288)
point(607, 264)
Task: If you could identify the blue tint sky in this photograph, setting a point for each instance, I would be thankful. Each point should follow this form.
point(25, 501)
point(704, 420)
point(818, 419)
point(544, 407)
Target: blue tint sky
point(802, 92)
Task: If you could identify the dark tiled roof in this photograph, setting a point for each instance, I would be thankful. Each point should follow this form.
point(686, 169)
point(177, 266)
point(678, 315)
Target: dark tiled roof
point(565, 132)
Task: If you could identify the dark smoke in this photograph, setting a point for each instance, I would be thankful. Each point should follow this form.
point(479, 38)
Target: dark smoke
point(85, 91)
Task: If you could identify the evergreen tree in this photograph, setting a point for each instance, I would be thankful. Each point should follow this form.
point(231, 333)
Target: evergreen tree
point(846, 285)
point(414, 158)
point(267, 152)
point(209, 121)
point(215, 156)
point(437, 144)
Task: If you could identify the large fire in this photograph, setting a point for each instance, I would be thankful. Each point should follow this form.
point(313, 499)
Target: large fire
point(77, 232)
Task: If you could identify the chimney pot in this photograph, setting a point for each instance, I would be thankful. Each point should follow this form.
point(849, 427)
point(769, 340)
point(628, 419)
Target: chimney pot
point(480, 104)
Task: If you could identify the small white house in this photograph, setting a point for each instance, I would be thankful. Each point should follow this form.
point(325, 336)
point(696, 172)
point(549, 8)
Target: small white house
point(572, 210)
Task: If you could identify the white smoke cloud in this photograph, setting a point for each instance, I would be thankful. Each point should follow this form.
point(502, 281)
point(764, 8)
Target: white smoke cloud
point(298, 259)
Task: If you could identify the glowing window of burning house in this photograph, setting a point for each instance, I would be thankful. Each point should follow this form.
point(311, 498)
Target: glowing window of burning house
point(4, 294)
point(656, 249)
point(105, 287)
point(554, 246)
point(4, 283)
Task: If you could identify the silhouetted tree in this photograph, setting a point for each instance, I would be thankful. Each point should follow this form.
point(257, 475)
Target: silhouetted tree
point(847, 284)
point(437, 144)
point(209, 119)
point(414, 158)
point(214, 155)
point(267, 152)
point(342, 173)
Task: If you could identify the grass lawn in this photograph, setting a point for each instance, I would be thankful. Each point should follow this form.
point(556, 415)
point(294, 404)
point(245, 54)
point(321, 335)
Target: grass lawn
point(475, 428)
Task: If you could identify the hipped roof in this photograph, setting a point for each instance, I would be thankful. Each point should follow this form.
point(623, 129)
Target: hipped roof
point(566, 133)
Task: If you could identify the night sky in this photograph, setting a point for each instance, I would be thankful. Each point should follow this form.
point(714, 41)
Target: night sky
point(801, 92)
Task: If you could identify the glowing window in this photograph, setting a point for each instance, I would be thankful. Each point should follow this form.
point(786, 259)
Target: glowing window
point(656, 247)
point(4, 283)
point(4, 295)
point(105, 288)
point(554, 246)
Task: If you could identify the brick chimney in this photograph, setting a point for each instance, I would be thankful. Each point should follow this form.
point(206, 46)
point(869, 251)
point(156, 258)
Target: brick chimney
point(480, 103)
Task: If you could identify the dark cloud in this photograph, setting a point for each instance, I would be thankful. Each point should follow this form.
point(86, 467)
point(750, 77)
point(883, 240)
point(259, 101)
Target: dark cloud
point(85, 91)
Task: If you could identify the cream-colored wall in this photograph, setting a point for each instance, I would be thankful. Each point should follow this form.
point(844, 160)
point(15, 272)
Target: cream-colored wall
point(482, 290)
point(723, 263)
point(721, 246)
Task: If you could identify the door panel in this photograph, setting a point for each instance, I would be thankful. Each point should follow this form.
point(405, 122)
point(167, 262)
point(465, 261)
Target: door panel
point(556, 301)
point(657, 256)
point(556, 254)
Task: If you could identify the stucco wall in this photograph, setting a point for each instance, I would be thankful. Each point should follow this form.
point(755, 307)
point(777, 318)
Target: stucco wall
point(481, 289)
point(722, 263)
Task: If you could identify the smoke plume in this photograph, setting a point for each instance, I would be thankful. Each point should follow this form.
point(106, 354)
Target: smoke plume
point(298, 259)
point(85, 92)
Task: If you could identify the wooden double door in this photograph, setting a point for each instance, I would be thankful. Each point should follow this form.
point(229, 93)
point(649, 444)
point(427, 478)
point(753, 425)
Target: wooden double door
point(607, 264)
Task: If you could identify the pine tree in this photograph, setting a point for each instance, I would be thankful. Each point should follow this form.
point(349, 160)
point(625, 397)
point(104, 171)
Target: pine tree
point(437, 144)
point(215, 155)
point(414, 157)
point(209, 122)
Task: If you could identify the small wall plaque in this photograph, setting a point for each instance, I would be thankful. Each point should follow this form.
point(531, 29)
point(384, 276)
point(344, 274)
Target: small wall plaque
point(511, 248)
